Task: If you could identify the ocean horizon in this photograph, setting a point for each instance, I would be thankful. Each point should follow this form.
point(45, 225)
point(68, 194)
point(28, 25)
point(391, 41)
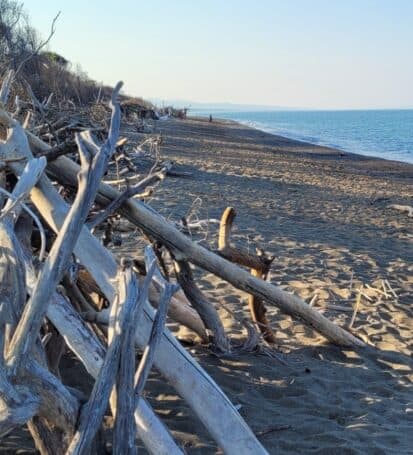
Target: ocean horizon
point(386, 133)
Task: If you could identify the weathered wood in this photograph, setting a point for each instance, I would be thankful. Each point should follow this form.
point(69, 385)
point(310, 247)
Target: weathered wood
point(64, 148)
point(199, 390)
point(122, 312)
point(54, 350)
point(192, 382)
point(131, 191)
point(237, 255)
point(13, 412)
point(93, 168)
point(12, 275)
point(155, 226)
point(45, 438)
point(54, 210)
point(147, 420)
point(49, 397)
point(91, 353)
point(88, 349)
point(57, 404)
point(12, 283)
point(260, 265)
point(27, 180)
point(145, 365)
point(179, 307)
point(125, 430)
point(180, 311)
point(206, 310)
point(259, 311)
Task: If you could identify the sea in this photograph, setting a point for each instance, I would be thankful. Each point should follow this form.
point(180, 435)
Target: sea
point(385, 134)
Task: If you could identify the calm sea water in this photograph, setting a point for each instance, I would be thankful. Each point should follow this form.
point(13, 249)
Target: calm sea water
point(382, 133)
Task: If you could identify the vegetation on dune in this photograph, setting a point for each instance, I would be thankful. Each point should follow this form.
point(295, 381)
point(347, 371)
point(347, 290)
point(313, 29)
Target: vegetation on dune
point(23, 50)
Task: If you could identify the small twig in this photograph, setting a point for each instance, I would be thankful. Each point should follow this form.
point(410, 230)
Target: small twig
point(128, 193)
point(379, 291)
point(272, 429)
point(40, 46)
point(391, 289)
point(314, 299)
point(356, 307)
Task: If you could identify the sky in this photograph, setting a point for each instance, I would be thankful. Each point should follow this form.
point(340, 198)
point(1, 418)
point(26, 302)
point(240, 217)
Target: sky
point(321, 54)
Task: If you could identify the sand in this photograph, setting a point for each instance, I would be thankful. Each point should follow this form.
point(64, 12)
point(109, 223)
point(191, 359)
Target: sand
point(325, 215)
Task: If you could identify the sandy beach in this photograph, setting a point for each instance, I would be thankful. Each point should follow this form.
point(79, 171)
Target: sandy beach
point(326, 216)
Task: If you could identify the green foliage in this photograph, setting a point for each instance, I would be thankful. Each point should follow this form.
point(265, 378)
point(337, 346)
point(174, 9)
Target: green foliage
point(55, 58)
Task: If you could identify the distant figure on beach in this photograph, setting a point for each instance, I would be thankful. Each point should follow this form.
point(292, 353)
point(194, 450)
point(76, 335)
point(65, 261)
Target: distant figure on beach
point(210, 118)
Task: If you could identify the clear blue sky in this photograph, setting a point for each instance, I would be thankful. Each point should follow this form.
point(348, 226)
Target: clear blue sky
point(306, 53)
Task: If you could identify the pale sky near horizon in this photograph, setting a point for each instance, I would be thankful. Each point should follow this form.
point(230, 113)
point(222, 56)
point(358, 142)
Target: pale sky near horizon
point(300, 53)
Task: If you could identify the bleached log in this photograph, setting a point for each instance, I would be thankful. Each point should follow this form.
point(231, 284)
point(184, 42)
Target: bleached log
point(12, 209)
point(28, 179)
point(199, 390)
point(124, 432)
point(54, 210)
point(49, 397)
point(55, 264)
point(92, 413)
point(124, 429)
point(90, 352)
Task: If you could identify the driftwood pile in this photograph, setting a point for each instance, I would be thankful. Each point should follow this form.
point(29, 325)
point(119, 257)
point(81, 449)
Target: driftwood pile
point(62, 289)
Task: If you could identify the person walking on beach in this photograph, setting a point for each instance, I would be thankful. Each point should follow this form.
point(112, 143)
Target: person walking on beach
point(210, 118)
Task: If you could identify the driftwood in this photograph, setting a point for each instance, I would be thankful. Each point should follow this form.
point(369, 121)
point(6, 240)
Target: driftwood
point(61, 311)
point(92, 413)
point(183, 248)
point(259, 264)
point(148, 355)
point(403, 209)
point(206, 310)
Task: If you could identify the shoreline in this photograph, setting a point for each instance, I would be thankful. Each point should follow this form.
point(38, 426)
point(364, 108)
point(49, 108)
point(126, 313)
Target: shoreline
point(284, 136)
